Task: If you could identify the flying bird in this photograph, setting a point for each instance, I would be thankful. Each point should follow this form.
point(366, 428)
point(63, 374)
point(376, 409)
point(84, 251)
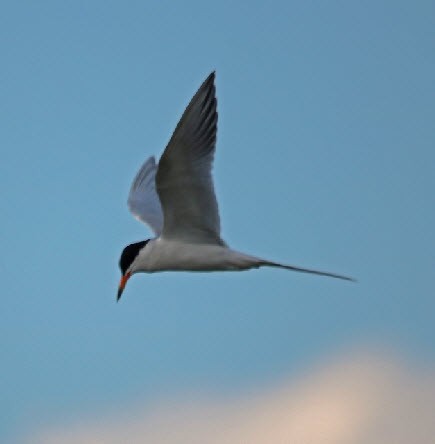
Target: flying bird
point(176, 199)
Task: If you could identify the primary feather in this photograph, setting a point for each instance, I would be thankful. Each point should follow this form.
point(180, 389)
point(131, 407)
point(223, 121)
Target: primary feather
point(184, 179)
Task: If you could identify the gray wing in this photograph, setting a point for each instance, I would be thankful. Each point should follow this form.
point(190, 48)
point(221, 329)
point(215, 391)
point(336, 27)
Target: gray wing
point(143, 200)
point(184, 180)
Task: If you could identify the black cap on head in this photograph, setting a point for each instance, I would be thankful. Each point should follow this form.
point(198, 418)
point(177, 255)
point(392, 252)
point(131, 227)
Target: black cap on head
point(129, 254)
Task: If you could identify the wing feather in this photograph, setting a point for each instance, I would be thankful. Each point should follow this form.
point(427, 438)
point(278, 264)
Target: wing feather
point(143, 200)
point(184, 180)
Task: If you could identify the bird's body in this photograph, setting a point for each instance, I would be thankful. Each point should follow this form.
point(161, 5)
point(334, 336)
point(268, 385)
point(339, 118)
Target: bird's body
point(176, 199)
point(171, 255)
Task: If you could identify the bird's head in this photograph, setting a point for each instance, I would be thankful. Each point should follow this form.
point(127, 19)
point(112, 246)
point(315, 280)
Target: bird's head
point(127, 262)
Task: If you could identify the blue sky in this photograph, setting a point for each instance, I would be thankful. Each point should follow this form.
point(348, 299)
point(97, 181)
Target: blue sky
point(325, 159)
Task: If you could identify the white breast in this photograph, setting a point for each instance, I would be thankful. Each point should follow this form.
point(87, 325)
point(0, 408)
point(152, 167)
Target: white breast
point(165, 255)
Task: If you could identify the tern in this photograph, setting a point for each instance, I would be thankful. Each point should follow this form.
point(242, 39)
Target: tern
point(176, 199)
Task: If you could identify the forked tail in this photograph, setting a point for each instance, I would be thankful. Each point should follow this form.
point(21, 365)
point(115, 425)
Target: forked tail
point(305, 270)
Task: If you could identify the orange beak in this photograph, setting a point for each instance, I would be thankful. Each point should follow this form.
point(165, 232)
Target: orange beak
point(122, 283)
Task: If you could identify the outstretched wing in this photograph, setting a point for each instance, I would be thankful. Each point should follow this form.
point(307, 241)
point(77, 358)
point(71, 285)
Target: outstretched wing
point(143, 200)
point(184, 180)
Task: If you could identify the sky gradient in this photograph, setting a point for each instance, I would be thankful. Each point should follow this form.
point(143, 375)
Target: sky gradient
point(325, 159)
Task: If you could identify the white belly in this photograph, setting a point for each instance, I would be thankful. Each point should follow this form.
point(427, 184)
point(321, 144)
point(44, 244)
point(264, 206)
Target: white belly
point(166, 255)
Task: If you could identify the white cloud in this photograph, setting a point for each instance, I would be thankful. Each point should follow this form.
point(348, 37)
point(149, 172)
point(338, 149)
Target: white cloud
point(362, 398)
